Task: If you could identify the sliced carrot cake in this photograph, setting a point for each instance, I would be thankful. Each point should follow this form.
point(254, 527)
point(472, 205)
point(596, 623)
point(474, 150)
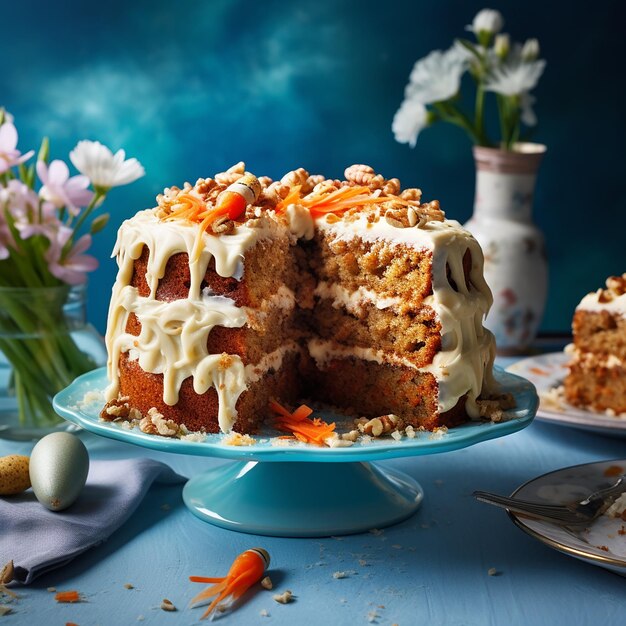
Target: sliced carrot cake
point(238, 290)
point(597, 371)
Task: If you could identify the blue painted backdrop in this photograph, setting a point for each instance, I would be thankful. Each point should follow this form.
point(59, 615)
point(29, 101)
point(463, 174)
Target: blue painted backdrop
point(191, 87)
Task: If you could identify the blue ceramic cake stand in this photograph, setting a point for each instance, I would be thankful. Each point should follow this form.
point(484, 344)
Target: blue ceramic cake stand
point(301, 490)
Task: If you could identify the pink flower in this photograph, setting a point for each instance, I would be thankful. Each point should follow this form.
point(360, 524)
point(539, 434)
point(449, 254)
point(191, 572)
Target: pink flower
point(61, 190)
point(6, 239)
point(23, 205)
point(72, 269)
point(9, 154)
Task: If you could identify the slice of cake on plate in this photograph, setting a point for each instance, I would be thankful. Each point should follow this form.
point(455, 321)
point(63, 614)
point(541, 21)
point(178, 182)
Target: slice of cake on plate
point(597, 371)
point(238, 290)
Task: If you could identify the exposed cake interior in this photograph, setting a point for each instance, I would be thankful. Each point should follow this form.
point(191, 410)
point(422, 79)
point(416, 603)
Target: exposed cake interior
point(352, 292)
point(597, 370)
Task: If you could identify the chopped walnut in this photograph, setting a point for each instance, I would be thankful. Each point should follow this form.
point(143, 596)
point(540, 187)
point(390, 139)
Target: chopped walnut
point(232, 174)
point(493, 407)
point(432, 211)
point(295, 177)
point(223, 226)
point(353, 435)
point(377, 182)
point(397, 219)
point(154, 423)
point(204, 185)
point(311, 182)
point(409, 431)
point(283, 598)
point(391, 187)
point(117, 408)
point(615, 287)
point(326, 186)
point(273, 194)
point(378, 426)
point(7, 574)
point(412, 194)
point(359, 174)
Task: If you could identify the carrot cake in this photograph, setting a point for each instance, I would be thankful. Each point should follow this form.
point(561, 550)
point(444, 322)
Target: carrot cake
point(597, 370)
point(238, 290)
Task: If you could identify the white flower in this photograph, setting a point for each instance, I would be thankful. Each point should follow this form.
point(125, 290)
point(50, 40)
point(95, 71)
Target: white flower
point(437, 77)
point(528, 116)
point(502, 45)
point(408, 121)
point(530, 50)
point(486, 21)
point(514, 77)
point(102, 167)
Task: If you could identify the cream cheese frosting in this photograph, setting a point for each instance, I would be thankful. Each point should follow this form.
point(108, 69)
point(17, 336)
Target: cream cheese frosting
point(464, 364)
point(594, 302)
point(173, 337)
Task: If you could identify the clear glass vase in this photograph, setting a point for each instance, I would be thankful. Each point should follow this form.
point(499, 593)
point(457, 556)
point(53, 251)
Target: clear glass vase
point(45, 343)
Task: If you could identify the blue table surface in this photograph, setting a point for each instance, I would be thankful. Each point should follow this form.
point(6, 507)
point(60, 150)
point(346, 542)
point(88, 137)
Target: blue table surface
point(431, 569)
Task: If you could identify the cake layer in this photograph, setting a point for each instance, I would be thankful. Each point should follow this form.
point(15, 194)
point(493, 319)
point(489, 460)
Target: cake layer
point(202, 411)
point(602, 332)
point(600, 386)
point(374, 266)
point(372, 389)
point(413, 335)
point(268, 265)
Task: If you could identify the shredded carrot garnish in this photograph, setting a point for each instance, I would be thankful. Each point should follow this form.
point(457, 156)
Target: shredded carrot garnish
point(304, 429)
point(335, 202)
point(293, 197)
point(67, 596)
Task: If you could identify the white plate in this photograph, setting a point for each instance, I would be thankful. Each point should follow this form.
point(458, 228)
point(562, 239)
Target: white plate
point(599, 544)
point(547, 371)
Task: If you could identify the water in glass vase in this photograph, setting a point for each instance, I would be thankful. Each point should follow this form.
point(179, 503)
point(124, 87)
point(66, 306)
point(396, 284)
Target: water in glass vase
point(45, 343)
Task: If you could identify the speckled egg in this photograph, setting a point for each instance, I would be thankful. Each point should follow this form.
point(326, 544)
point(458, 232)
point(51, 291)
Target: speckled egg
point(14, 476)
point(59, 464)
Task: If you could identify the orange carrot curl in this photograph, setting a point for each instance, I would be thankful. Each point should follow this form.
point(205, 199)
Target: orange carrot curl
point(336, 202)
point(67, 596)
point(314, 431)
point(247, 569)
point(231, 203)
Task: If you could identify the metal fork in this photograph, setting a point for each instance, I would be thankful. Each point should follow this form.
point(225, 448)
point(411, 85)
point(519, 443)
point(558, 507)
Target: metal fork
point(572, 514)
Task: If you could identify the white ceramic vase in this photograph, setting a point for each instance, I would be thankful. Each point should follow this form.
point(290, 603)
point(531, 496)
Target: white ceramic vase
point(515, 259)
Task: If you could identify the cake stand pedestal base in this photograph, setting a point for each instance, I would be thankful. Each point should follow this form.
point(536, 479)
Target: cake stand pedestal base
point(300, 499)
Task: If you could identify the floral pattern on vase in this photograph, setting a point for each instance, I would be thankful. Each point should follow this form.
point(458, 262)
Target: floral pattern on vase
point(515, 257)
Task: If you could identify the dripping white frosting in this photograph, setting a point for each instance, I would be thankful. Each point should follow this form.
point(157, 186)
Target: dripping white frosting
point(464, 364)
point(174, 334)
point(173, 337)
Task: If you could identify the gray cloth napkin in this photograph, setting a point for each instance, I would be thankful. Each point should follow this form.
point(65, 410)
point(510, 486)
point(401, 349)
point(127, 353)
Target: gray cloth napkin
point(39, 540)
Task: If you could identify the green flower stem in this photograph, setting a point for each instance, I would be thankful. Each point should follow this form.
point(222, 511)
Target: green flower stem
point(479, 115)
point(450, 113)
point(97, 199)
point(36, 340)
